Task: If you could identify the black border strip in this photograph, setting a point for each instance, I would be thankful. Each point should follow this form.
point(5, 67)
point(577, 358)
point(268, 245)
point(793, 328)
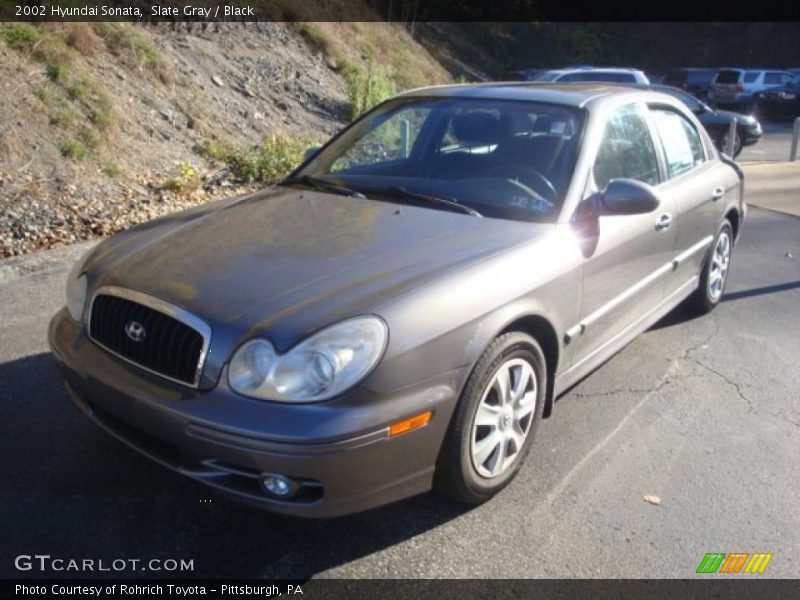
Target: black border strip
point(406, 11)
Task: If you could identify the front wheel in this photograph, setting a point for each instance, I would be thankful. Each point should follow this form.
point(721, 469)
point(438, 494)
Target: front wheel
point(737, 142)
point(494, 423)
point(714, 275)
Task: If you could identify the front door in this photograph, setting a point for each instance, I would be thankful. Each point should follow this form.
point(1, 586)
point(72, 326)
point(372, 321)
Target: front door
point(623, 278)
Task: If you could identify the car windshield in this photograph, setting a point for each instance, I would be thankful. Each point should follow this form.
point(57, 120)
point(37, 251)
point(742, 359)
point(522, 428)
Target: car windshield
point(499, 158)
point(795, 82)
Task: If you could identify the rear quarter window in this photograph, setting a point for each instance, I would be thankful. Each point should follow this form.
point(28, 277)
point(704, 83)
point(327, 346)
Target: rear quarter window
point(751, 76)
point(682, 144)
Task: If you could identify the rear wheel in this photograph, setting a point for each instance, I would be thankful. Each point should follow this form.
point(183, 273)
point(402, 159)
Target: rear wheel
point(714, 275)
point(494, 423)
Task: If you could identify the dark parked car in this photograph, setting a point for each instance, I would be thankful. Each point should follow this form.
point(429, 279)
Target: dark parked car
point(401, 312)
point(695, 81)
point(717, 122)
point(782, 101)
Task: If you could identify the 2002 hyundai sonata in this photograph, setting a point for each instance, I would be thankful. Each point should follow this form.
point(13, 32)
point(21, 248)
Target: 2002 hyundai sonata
point(401, 312)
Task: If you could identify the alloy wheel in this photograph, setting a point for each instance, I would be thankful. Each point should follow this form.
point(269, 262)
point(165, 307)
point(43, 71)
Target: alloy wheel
point(503, 418)
point(720, 259)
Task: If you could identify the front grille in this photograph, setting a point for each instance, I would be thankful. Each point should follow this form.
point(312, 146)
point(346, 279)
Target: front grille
point(166, 345)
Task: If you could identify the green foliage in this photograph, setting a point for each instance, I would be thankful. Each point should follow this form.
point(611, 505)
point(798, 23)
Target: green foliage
point(366, 89)
point(72, 148)
point(55, 72)
point(125, 40)
point(218, 150)
point(270, 161)
point(186, 180)
point(113, 170)
point(89, 138)
point(21, 36)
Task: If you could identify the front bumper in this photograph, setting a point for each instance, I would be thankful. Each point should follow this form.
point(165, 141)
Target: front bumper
point(339, 452)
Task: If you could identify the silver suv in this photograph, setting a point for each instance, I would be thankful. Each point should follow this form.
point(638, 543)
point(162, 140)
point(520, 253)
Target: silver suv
point(738, 87)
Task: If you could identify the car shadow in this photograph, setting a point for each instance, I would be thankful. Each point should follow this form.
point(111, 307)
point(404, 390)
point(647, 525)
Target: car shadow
point(73, 491)
point(768, 289)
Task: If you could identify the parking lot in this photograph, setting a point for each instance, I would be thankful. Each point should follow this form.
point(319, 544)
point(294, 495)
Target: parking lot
point(702, 413)
point(774, 145)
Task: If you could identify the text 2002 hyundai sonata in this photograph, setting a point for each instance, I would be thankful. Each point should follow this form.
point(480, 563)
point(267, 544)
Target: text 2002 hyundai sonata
point(400, 313)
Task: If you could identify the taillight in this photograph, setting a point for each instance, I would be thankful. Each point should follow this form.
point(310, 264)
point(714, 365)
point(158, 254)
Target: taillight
point(739, 87)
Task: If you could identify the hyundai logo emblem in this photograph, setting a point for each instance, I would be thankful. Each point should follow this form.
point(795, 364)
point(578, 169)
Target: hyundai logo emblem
point(135, 331)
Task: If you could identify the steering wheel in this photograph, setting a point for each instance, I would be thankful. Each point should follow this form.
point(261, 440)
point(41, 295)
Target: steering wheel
point(528, 176)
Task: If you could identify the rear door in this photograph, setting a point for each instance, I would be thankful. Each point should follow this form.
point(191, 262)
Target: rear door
point(697, 184)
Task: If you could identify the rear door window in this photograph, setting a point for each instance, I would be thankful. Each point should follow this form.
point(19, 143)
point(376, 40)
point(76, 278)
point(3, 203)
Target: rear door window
point(751, 76)
point(627, 150)
point(773, 79)
point(683, 146)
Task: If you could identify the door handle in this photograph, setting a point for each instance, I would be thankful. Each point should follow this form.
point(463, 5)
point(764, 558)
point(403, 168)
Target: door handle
point(664, 221)
point(717, 193)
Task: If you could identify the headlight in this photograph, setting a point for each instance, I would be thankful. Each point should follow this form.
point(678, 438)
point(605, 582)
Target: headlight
point(326, 364)
point(76, 292)
point(77, 287)
point(788, 96)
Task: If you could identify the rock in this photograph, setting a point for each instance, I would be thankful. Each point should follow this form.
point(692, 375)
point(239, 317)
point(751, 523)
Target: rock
point(217, 81)
point(166, 113)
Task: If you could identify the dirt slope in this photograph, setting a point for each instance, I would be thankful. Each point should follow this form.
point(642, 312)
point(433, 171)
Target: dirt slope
point(97, 122)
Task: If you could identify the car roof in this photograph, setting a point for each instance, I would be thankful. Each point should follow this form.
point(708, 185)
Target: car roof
point(579, 94)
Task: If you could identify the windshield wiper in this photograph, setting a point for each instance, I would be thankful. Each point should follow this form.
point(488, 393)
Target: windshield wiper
point(398, 190)
point(322, 184)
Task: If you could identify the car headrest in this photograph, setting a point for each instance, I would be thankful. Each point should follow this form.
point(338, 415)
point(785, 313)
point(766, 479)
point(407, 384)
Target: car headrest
point(477, 127)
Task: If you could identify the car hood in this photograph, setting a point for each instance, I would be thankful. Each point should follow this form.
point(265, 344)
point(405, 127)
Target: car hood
point(722, 116)
point(285, 262)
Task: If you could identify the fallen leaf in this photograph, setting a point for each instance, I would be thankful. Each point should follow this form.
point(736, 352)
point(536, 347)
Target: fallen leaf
point(652, 499)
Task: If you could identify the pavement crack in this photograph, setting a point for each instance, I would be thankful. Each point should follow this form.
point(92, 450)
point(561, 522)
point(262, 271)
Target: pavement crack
point(629, 390)
point(687, 355)
point(736, 385)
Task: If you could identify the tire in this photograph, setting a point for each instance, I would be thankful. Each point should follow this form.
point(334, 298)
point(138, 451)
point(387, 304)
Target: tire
point(737, 142)
point(716, 264)
point(466, 470)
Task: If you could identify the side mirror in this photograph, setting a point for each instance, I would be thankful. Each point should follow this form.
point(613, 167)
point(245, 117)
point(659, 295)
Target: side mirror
point(627, 197)
point(311, 153)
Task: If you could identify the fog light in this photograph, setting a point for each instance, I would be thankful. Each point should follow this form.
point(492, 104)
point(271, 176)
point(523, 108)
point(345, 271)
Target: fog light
point(278, 485)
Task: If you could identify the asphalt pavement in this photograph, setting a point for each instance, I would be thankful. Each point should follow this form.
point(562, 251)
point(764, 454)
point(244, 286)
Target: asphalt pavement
point(774, 145)
point(703, 413)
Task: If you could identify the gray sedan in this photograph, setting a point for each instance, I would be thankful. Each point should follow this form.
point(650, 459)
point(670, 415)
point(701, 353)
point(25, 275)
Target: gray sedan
point(401, 312)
